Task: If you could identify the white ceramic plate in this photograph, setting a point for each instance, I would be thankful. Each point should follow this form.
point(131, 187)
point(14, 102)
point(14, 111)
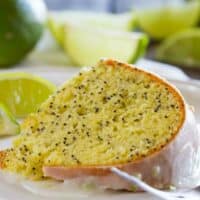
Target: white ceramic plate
point(10, 191)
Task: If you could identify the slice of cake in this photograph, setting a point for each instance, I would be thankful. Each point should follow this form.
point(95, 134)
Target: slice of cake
point(110, 115)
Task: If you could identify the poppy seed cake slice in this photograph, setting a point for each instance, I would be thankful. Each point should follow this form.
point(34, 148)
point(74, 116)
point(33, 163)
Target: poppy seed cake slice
point(110, 115)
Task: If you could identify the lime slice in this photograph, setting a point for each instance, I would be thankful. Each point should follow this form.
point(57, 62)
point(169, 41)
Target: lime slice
point(8, 124)
point(85, 46)
point(162, 22)
point(22, 93)
point(124, 22)
point(182, 49)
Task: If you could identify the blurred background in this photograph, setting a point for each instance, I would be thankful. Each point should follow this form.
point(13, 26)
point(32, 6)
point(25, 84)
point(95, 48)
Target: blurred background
point(114, 6)
point(163, 30)
point(121, 6)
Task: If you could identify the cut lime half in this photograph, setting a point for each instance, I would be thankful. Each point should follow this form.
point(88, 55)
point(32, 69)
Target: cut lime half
point(164, 21)
point(8, 124)
point(57, 20)
point(182, 49)
point(85, 45)
point(23, 93)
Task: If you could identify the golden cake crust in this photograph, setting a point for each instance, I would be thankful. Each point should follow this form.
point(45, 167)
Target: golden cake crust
point(160, 80)
point(2, 157)
point(176, 93)
point(94, 169)
point(151, 159)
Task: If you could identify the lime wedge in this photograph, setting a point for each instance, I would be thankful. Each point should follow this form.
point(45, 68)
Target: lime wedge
point(162, 22)
point(124, 22)
point(8, 124)
point(85, 46)
point(22, 93)
point(182, 49)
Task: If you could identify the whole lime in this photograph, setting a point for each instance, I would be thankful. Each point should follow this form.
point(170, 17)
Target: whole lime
point(21, 26)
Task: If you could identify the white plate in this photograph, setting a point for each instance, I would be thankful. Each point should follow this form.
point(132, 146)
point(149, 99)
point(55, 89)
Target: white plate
point(9, 191)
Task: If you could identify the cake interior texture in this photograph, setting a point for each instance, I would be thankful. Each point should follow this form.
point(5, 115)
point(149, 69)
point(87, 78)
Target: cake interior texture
point(107, 115)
